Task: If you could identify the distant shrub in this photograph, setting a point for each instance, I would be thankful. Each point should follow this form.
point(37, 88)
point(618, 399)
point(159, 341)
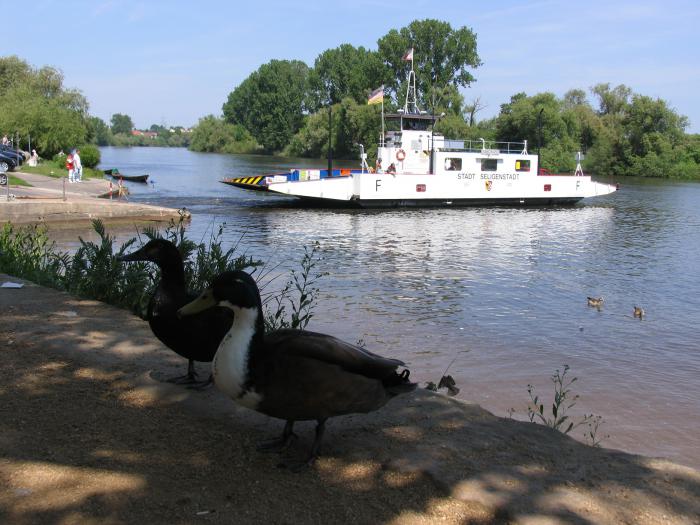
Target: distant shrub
point(89, 156)
point(59, 160)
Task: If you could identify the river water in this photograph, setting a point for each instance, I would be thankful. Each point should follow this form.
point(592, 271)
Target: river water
point(498, 296)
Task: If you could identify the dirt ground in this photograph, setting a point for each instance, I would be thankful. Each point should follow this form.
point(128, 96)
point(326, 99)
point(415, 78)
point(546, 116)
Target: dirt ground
point(89, 433)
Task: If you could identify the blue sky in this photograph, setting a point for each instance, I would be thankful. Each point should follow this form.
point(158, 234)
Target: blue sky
point(172, 62)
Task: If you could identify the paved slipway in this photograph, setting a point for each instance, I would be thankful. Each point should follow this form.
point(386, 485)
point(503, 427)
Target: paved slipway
point(91, 434)
point(44, 201)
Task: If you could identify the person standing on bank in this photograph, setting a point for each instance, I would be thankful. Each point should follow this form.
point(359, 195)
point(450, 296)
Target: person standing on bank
point(78, 167)
point(70, 167)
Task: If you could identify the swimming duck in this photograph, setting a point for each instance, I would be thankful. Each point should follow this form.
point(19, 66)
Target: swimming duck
point(639, 312)
point(292, 374)
point(195, 338)
point(595, 302)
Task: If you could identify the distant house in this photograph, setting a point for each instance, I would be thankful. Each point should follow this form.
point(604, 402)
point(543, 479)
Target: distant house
point(148, 134)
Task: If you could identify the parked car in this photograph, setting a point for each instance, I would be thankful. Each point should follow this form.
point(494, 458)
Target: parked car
point(8, 161)
point(9, 150)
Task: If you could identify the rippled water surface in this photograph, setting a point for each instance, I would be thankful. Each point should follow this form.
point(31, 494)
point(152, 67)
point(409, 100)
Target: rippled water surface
point(498, 295)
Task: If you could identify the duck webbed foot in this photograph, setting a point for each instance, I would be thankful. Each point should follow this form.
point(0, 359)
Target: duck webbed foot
point(298, 466)
point(282, 443)
point(202, 385)
point(190, 378)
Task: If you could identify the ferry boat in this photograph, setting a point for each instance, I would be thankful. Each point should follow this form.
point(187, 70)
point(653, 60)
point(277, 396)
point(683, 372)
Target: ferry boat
point(419, 167)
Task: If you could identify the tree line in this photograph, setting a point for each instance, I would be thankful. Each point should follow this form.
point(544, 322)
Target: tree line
point(283, 106)
point(37, 110)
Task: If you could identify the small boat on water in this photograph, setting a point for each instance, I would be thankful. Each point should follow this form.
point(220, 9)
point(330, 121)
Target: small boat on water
point(132, 178)
point(115, 174)
point(417, 166)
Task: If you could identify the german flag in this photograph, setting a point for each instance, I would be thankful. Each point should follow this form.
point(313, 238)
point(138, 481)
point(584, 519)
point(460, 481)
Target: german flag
point(376, 96)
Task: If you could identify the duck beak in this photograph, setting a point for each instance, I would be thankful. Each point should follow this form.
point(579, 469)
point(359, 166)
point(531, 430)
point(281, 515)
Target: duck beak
point(131, 257)
point(203, 302)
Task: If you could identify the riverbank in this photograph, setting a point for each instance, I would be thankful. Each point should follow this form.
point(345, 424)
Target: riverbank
point(54, 200)
point(91, 434)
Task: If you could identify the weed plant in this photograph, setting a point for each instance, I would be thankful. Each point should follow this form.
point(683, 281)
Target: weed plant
point(298, 295)
point(27, 252)
point(204, 260)
point(564, 400)
point(94, 271)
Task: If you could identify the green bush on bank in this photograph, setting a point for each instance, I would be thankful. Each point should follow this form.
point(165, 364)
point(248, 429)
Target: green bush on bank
point(94, 272)
point(213, 134)
point(89, 156)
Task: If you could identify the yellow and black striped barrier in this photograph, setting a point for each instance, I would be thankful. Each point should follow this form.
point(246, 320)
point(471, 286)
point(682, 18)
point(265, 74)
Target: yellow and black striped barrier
point(247, 182)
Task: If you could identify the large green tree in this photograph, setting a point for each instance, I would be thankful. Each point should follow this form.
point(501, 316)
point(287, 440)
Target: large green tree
point(642, 136)
point(352, 124)
point(122, 123)
point(442, 56)
point(270, 103)
point(612, 101)
point(345, 71)
point(542, 121)
point(35, 104)
point(98, 132)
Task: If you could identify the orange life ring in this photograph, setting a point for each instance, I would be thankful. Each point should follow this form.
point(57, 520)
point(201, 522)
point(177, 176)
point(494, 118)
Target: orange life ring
point(400, 155)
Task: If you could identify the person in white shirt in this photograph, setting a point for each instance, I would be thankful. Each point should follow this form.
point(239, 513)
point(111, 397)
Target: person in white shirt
point(77, 167)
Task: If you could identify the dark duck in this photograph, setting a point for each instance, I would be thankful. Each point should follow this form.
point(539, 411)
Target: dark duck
point(195, 338)
point(292, 374)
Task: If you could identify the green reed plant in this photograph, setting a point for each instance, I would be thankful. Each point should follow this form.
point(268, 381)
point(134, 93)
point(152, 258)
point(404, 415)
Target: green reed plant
point(27, 252)
point(558, 416)
point(94, 272)
point(205, 260)
point(293, 306)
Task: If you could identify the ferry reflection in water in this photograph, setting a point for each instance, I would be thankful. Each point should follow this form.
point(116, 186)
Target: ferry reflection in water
point(501, 289)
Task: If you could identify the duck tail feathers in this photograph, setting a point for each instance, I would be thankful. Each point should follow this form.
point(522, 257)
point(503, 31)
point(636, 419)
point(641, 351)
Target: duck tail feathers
point(399, 383)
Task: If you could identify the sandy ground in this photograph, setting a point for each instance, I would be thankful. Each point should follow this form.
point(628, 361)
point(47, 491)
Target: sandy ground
point(91, 434)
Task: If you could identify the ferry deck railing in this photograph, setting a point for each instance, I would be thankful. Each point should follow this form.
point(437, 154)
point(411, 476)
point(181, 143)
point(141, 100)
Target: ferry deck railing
point(491, 147)
point(394, 138)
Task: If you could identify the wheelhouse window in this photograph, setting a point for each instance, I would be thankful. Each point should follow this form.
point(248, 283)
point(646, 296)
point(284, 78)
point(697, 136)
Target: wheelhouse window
point(453, 164)
point(489, 164)
point(522, 165)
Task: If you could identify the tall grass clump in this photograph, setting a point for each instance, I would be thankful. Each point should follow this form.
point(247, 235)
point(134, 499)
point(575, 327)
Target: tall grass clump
point(94, 271)
point(558, 416)
point(27, 252)
point(204, 260)
point(293, 306)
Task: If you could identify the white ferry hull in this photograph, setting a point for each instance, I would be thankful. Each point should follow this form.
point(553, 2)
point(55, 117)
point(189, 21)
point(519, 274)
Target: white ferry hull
point(417, 166)
point(454, 189)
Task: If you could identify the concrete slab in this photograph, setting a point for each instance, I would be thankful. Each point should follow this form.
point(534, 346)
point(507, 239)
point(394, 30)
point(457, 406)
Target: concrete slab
point(52, 199)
